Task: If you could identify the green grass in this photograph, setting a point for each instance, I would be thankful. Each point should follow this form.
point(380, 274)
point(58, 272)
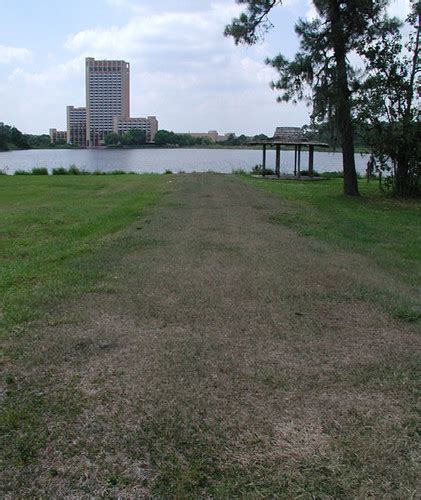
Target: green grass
point(153, 379)
point(50, 230)
point(377, 226)
point(383, 228)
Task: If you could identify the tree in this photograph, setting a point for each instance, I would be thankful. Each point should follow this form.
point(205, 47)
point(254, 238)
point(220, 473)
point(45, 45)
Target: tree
point(135, 137)
point(260, 137)
point(38, 141)
point(12, 137)
point(320, 71)
point(386, 105)
point(163, 137)
point(4, 136)
point(18, 139)
point(112, 139)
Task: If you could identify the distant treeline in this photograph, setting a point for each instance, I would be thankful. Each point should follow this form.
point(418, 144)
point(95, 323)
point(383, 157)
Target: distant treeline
point(166, 138)
point(13, 138)
point(321, 133)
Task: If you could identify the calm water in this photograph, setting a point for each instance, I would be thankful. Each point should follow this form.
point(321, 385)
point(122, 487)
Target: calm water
point(158, 160)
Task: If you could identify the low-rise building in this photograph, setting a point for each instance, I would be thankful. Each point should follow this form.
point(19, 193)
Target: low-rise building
point(149, 125)
point(212, 135)
point(57, 136)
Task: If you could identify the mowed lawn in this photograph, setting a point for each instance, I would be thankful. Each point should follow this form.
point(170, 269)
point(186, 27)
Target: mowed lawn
point(383, 229)
point(207, 335)
point(51, 228)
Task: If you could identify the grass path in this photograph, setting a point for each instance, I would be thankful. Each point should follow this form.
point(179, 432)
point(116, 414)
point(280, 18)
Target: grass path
point(223, 355)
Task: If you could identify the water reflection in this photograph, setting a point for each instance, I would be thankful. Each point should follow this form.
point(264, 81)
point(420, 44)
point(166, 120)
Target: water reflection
point(176, 160)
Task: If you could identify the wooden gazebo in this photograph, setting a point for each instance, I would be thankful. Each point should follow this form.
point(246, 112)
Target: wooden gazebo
point(290, 136)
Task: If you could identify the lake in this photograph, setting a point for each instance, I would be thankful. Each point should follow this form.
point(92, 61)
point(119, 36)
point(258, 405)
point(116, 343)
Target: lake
point(159, 160)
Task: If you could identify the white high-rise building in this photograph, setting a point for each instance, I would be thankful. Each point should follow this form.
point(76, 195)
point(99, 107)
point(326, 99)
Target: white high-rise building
point(107, 95)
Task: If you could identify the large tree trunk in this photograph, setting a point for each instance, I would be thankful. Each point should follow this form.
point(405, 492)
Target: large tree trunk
point(343, 105)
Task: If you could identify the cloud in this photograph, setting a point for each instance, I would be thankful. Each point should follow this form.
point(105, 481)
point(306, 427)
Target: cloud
point(183, 70)
point(10, 55)
point(169, 31)
point(54, 74)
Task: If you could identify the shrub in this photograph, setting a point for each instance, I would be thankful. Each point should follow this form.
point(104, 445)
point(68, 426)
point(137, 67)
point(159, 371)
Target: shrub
point(59, 171)
point(117, 172)
point(167, 172)
point(332, 175)
point(73, 170)
point(22, 172)
point(307, 173)
point(258, 170)
point(39, 171)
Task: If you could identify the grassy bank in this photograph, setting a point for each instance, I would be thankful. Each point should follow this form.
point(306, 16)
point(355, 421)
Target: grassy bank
point(51, 228)
point(213, 351)
point(379, 227)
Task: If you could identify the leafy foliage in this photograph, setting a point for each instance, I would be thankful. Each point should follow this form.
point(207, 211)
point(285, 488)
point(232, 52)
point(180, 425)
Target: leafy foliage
point(39, 141)
point(12, 138)
point(39, 171)
point(165, 137)
point(232, 140)
point(253, 24)
point(135, 137)
point(112, 139)
point(386, 105)
point(320, 71)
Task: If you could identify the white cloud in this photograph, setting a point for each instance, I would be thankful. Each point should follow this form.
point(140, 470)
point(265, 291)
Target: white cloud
point(55, 74)
point(169, 30)
point(183, 70)
point(12, 54)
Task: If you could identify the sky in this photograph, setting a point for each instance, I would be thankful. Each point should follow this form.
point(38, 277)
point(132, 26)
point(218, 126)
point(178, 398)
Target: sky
point(183, 70)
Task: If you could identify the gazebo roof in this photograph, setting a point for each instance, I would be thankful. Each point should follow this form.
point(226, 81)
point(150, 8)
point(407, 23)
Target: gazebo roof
point(290, 136)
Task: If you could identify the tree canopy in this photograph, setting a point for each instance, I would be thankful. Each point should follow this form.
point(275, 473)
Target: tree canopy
point(320, 71)
point(386, 107)
point(166, 137)
point(12, 138)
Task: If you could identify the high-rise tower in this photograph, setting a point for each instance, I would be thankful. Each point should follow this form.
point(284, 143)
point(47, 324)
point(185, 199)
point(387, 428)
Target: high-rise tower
point(107, 95)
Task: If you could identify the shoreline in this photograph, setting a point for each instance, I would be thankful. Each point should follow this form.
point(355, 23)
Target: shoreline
point(209, 147)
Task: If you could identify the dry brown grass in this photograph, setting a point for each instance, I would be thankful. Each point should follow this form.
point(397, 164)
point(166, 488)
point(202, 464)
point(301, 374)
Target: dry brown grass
point(225, 356)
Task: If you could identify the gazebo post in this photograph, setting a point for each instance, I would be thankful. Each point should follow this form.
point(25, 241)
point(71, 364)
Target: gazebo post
point(288, 136)
point(278, 160)
point(299, 160)
point(310, 160)
point(264, 161)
